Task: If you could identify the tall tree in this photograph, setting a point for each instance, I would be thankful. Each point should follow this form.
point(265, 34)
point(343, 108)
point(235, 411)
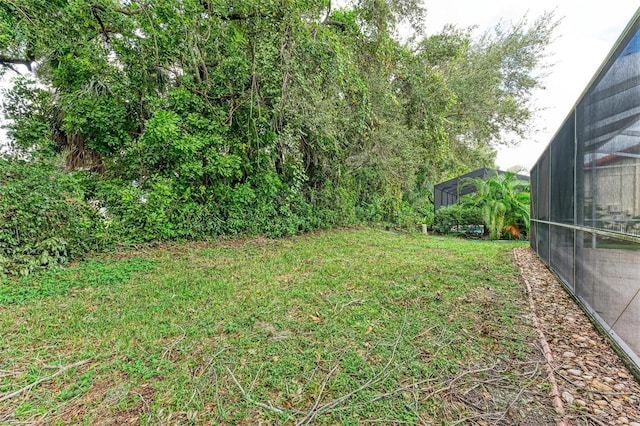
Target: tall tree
point(254, 103)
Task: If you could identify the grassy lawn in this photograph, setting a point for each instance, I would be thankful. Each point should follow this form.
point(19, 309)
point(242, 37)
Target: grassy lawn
point(339, 327)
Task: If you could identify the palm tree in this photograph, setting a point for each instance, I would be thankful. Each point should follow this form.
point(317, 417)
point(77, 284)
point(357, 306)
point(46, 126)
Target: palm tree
point(503, 198)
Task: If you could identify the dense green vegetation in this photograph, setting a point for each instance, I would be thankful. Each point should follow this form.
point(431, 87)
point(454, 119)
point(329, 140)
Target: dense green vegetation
point(504, 201)
point(449, 219)
point(194, 118)
point(362, 325)
point(500, 202)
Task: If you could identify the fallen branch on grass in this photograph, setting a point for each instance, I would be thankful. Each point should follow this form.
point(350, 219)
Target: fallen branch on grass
point(168, 351)
point(248, 398)
point(330, 406)
point(310, 415)
point(44, 379)
point(319, 397)
point(455, 380)
point(458, 382)
point(400, 389)
point(4, 373)
point(204, 370)
point(352, 302)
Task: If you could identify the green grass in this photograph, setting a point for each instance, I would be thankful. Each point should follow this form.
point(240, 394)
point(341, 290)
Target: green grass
point(60, 281)
point(363, 325)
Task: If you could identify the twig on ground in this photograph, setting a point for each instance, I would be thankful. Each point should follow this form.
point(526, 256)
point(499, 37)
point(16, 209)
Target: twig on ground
point(43, 379)
point(427, 331)
point(466, 402)
point(319, 396)
point(400, 389)
point(352, 302)
point(168, 351)
point(330, 406)
point(593, 419)
point(248, 398)
point(534, 373)
point(204, 370)
point(455, 380)
point(513, 401)
point(144, 403)
point(477, 416)
point(415, 413)
point(255, 379)
point(218, 353)
point(592, 390)
point(219, 407)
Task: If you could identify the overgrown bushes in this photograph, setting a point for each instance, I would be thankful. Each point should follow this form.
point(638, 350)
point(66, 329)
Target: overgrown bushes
point(447, 219)
point(44, 217)
point(48, 216)
point(194, 119)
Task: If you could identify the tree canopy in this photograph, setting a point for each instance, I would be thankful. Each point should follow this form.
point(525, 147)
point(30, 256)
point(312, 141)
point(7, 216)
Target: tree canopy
point(251, 111)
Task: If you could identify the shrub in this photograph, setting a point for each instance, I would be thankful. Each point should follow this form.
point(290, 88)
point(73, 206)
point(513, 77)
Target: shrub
point(44, 218)
point(136, 212)
point(504, 199)
point(450, 217)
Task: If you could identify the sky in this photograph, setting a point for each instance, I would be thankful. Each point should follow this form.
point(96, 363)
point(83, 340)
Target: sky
point(587, 32)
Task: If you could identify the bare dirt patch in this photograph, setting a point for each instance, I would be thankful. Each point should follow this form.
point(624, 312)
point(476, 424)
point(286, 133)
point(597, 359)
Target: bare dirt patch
point(141, 400)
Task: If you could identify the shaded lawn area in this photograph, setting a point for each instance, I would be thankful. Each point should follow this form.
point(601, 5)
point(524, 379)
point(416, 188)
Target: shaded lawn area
point(348, 326)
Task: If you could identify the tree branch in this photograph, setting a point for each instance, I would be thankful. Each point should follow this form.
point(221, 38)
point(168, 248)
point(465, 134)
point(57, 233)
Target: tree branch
point(121, 10)
point(104, 30)
point(326, 18)
point(44, 379)
point(333, 22)
point(239, 17)
point(7, 61)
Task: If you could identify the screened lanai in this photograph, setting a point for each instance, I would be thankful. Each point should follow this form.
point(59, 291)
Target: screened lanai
point(585, 213)
point(448, 192)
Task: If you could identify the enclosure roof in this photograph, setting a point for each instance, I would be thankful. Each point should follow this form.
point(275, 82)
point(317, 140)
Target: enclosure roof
point(451, 186)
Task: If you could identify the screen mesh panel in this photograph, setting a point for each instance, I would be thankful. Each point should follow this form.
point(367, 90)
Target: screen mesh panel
point(585, 191)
